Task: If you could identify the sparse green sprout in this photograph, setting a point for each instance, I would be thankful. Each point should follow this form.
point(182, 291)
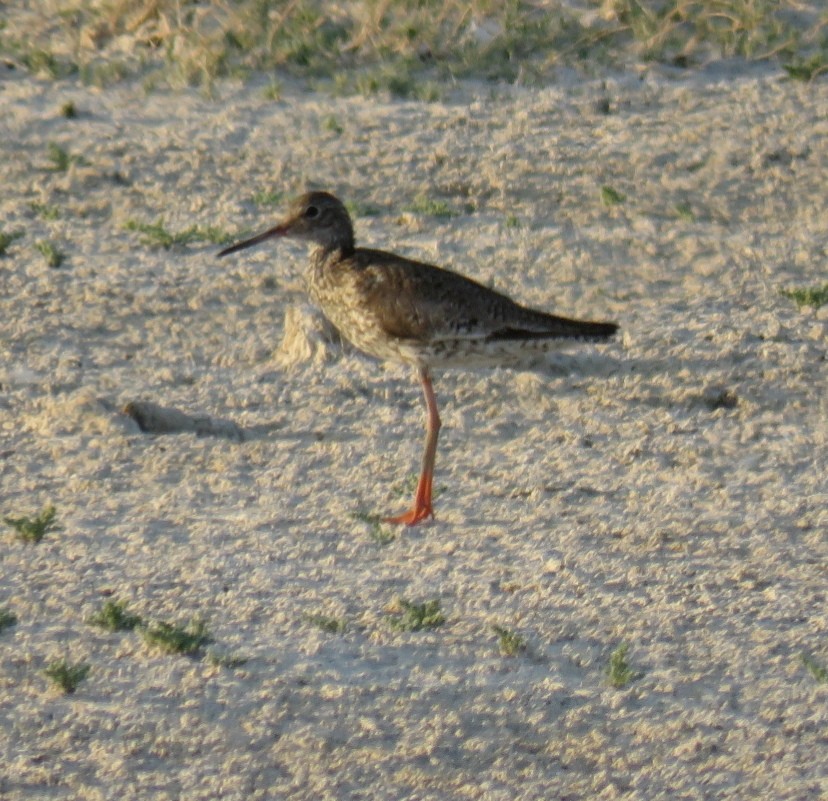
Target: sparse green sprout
point(157, 235)
point(7, 239)
point(332, 625)
point(807, 69)
point(379, 533)
point(357, 209)
point(611, 197)
point(68, 110)
point(225, 660)
point(54, 257)
point(267, 199)
point(33, 529)
point(273, 91)
point(619, 672)
point(414, 617)
point(510, 643)
point(512, 221)
point(332, 124)
point(61, 159)
point(65, 675)
point(685, 212)
point(44, 210)
point(7, 619)
point(819, 672)
point(815, 296)
point(436, 208)
point(177, 639)
point(113, 616)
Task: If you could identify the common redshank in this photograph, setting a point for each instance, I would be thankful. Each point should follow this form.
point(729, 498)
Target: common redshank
point(406, 311)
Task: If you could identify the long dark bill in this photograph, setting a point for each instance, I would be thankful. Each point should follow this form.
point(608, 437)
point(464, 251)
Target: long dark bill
point(279, 230)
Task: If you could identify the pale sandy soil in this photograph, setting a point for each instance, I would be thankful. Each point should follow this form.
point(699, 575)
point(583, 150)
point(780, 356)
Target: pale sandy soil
point(610, 496)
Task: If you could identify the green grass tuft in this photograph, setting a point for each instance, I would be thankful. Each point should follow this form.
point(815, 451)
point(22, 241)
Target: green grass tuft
point(157, 235)
point(819, 672)
point(414, 617)
point(611, 197)
point(113, 616)
point(174, 639)
point(65, 675)
point(53, 255)
point(44, 210)
point(332, 625)
point(509, 642)
point(7, 619)
point(815, 296)
point(33, 529)
point(7, 239)
point(619, 672)
point(436, 208)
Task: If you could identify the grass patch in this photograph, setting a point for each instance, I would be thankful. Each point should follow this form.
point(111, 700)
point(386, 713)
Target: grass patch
point(53, 255)
point(65, 675)
point(331, 625)
point(158, 235)
point(68, 110)
point(806, 69)
point(113, 616)
point(358, 209)
point(619, 672)
point(819, 672)
point(815, 296)
point(268, 199)
point(512, 222)
point(225, 660)
point(173, 639)
point(61, 160)
point(422, 204)
point(509, 643)
point(611, 197)
point(33, 529)
point(380, 534)
point(414, 617)
point(332, 124)
point(7, 619)
point(7, 239)
point(44, 210)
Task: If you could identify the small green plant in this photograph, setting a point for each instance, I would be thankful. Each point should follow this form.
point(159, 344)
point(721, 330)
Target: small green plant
point(225, 660)
point(65, 675)
point(113, 616)
point(332, 625)
point(358, 209)
point(54, 256)
point(611, 197)
point(815, 296)
point(157, 235)
point(61, 159)
point(45, 211)
point(685, 212)
point(379, 533)
point(509, 643)
point(512, 221)
point(267, 199)
point(174, 639)
point(68, 110)
point(7, 619)
point(807, 69)
point(332, 124)
point(619, 672)
point(436, 208)
point(7, 239)
point(273, 91)
point(33, 529)
point(819, 672)
point(414, 617)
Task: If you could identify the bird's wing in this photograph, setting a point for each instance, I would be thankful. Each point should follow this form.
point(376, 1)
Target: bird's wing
point(421, 302)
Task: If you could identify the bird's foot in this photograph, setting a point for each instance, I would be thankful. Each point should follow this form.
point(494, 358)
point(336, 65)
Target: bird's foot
point(417, 513)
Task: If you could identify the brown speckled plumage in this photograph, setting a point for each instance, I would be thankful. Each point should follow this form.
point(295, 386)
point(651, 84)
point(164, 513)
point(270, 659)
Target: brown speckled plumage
point(407, 311)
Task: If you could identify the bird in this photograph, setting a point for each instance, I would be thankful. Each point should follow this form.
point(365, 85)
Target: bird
point(409, 312)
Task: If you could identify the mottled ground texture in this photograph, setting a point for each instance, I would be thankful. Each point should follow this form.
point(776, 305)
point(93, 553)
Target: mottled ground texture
point(667, 490)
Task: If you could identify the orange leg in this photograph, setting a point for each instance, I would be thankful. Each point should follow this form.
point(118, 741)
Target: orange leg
point(422, 498)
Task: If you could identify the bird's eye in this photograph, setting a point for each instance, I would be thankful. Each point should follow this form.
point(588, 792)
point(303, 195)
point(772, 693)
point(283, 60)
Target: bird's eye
point(311, 212)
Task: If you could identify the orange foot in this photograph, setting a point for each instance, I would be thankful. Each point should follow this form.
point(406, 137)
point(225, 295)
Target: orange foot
point(418, 513)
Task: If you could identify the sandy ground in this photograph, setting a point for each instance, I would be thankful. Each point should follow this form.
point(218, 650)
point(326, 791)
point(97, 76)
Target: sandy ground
point(668, 490)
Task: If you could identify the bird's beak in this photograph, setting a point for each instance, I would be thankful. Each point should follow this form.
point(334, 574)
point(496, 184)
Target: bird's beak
point(279, 230)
